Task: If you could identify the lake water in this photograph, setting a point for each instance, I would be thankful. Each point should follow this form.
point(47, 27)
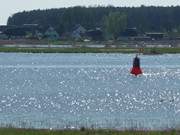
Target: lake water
point(91, 90)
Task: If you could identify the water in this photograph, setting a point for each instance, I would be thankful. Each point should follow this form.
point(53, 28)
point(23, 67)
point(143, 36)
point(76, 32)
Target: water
point(91, 90)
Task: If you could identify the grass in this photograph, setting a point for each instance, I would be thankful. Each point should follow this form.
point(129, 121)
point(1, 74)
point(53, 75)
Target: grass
point(90, 50)
point(161, 50)
point(14, 131)
point(68, 50)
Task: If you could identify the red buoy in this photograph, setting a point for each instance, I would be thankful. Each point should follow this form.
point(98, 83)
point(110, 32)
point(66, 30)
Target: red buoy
point(136, 69)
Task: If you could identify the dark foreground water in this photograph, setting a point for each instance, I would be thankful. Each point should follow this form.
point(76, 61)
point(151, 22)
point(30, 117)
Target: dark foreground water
point(91, 90)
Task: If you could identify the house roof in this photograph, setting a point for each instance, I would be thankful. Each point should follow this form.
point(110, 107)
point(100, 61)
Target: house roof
point(51, 33)
point(79, 29)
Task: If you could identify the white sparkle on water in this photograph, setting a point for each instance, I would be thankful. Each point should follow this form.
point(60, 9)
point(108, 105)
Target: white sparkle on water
point(89, 86)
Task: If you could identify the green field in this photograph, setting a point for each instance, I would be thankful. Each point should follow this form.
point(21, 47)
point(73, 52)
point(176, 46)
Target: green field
point(68, 50)
point(13, 131)
point(150, 51)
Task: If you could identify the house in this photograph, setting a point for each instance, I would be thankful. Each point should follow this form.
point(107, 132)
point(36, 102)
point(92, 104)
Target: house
point(51, 34)
point(78, 32)
point(130, 32)
point(5, 27)
point(38, 35)
point(155, 35)
point(3, 30)
point(3, 36)
point(16, 32)
point(20, 32)
point(31, 28)
point(95, 34)
point(142, 38)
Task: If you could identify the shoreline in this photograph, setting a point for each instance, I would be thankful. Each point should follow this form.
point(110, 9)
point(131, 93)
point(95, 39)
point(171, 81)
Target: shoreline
point(130, 46)
point(146, 51)
point(83, 131)
point(68, 50)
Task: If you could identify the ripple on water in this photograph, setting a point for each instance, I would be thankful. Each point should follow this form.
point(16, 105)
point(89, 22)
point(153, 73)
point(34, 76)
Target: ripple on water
point(98, 90)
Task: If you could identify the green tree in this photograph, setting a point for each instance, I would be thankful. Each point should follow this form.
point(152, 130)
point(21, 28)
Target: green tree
point(115, 23)
point(145, 19)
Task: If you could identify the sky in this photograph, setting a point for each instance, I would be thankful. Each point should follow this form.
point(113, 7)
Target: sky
point(9, 7)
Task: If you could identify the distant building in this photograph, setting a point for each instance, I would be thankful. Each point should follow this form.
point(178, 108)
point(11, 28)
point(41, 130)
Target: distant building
point(78, 32)
point(51, 34)
point(155, 35)
point(32, 28)
point(130, 32)
point(38, 35)
point(65, 36)
point(142, 38)
point(95, 34)
point(16, 32)
point(5, 27)
point(3, 36)
point(2, 28)
point(19, 32)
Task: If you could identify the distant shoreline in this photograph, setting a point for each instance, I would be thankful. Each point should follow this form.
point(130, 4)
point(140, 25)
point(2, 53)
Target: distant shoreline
point(146, 51)
point(83, 131)
point(43, 46)
point(68, 50)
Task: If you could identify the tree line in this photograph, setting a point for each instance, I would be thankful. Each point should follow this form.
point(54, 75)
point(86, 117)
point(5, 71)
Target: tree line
point(110, 19)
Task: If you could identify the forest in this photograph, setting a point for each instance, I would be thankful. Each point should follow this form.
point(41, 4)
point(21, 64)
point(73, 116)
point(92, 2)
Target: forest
point(145, 19)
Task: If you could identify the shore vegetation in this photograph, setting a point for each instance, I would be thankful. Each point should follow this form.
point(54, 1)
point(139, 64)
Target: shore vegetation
point(147, 51)
point(14, 131)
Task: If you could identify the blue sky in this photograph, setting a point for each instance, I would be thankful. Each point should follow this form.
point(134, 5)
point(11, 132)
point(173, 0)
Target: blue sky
point(9, 7)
